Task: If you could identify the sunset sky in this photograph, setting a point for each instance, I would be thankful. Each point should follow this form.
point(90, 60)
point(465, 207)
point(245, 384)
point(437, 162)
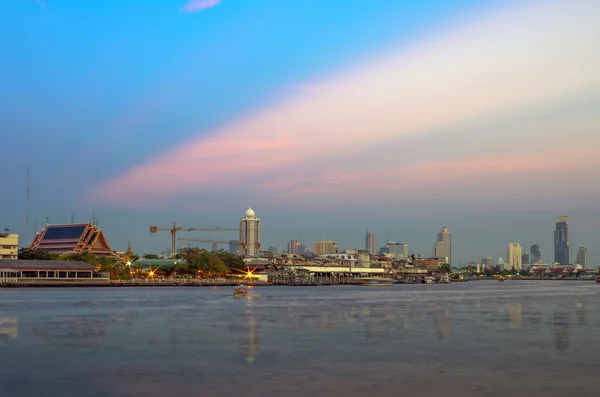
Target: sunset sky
point(326, 117)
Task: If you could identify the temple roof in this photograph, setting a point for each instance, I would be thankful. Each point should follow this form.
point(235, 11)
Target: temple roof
point(75, 238)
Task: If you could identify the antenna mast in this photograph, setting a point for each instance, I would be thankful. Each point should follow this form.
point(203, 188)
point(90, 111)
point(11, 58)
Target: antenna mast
point(27, 212)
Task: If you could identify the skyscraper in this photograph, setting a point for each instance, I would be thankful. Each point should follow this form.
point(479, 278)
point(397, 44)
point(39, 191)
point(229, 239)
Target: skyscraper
point(515, 256)
point(371, 243)
point(582, 257)
point(561, 241)
point(293, 247)
point(443, 246)
point(536, 254)
point(525, 261)
point(250, 234)
point(324, 247)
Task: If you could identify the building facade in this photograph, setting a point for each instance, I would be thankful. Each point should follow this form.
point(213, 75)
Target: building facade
point(293, 247)
point(325, 247)
point(234, 247)
point(582, 257)
point(398, 250)
point(515, 256)
point(9, 245)
point(536, 255)
point(250, 234)
point(561, 241)
point(443, 246)
point(371, 243)
point(525, 261)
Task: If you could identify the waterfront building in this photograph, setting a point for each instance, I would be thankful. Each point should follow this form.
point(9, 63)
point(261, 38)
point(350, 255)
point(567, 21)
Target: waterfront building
point(250, 234)
point(515, 256)
point(9, 245)
point(371, 243)
point(25, 272)
point(536, 255)
point(561, 241)
point(73, 238)
point(582, 257)
point(324, 247)
point(443, 246)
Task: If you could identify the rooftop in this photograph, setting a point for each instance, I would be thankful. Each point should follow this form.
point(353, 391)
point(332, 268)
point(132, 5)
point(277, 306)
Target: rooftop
point(44, 265)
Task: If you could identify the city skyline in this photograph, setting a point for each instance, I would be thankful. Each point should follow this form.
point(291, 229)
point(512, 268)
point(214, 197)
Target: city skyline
point(193, 113)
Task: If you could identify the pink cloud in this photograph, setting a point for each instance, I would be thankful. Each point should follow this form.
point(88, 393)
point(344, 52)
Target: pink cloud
point(199, 5)
point(317, 141)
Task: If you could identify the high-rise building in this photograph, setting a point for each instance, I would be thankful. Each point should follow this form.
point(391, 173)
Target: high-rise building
point(443, 246)
point(234, 247)
point(293, 247)
point(561, 241)
point(514, 256)
point(582, 257)
point(325, 247)
point(487, 263)
point(536, 255)
point(525, 259)
point(250, 234)
point(273, 250)
point(371, 243)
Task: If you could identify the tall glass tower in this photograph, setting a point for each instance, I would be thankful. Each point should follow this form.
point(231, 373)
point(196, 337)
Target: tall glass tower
point(561, 241)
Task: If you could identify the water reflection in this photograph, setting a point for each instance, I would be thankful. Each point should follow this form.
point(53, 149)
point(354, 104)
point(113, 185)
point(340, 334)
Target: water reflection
point(561, 331)
point(515, 315)
point(9, 328)
point(443, 324)
point(249, 342)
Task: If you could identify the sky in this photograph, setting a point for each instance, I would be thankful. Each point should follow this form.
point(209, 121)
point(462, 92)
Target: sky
point(327, 118)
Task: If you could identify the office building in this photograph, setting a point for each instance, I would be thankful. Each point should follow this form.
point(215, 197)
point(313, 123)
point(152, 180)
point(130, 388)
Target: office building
point(582, 257)
point(250, 234)
point(487, 263)
point(9, 245)
point(371, 243)
point(325, 247)
point(561, 241)
point(234, 247)
point(536, 255)
point(515, 256)
point(525, 259)
point(293, 247)
point(443, 246)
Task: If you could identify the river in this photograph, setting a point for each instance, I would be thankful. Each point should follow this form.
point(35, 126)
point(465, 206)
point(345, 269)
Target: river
point(480, 338)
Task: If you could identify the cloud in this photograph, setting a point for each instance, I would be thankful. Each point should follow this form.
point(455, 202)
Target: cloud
point(199, 5)
point(507, 60)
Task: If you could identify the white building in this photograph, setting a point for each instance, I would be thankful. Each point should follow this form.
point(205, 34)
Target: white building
point(515, 256)
point(249, 242)
point(443, 246)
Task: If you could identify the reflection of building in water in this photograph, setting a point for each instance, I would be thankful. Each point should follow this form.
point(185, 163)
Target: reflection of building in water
point(9, 328)
point(250, 343)
point(561, 331)
point(580, 310)
point(443, 323)
point(79, 332)
point(515, 315)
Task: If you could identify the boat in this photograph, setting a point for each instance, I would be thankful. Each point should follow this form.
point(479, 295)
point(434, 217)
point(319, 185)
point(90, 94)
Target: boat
point(500, 278)
point(375, 281)
point(240, 290)
point(598, 279)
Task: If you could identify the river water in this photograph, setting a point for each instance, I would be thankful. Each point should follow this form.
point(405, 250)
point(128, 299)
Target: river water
point(482, 338)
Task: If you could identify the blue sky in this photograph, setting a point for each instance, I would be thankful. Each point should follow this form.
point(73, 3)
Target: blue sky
point(114, 104)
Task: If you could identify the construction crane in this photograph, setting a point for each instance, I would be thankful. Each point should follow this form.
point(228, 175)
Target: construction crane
point(175, 229)
point(213, 242)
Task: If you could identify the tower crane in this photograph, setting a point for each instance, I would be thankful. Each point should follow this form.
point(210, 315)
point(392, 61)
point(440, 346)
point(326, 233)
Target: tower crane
point(213, 242)
point(176, 228)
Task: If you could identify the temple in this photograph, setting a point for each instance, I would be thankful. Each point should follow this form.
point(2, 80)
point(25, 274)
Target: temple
point(69, 239)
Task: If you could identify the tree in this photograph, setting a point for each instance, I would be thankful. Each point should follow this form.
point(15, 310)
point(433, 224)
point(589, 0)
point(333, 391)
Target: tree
point(27, 253)
point(200, 261)
point(230, 260)
point(150, 256)
point(86, 257)
point(446, 268)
